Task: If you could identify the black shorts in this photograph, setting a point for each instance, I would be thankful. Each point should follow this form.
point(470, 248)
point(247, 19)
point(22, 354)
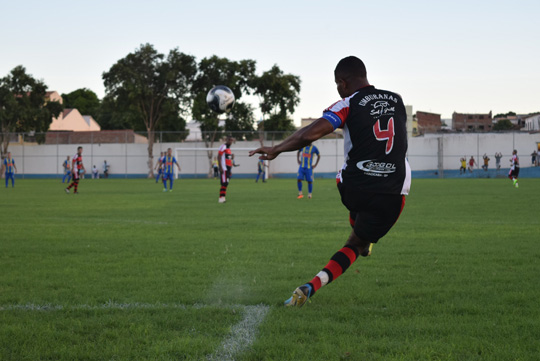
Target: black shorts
point(371, 215)
point(514, 173)
point(225, 176)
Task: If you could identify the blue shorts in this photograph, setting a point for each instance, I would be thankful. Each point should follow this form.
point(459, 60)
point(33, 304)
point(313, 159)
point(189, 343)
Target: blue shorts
point(305, 173)
point(167, 176)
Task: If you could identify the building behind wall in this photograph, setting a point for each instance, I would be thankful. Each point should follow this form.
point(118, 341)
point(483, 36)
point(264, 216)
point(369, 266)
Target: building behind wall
point(468, 122)
point(428, 122)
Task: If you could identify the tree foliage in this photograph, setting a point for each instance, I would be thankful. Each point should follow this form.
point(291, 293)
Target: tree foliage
point(502, 115)
point(152, 86)
point(24, 106)
point(279, 94)
point(84, 100)
point(237, 75)
point(503, 124)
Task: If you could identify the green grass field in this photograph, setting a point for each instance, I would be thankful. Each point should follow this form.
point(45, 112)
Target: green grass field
point(123, 271)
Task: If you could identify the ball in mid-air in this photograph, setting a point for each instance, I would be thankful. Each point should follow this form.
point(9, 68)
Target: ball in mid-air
point(220, 99)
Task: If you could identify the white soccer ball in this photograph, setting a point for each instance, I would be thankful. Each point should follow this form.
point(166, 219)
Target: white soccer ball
point(220, 99)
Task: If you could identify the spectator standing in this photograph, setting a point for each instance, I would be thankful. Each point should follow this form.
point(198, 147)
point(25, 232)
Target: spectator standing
point(472, 163)
point(486, 162)
point(105, 169)
point(498, 157)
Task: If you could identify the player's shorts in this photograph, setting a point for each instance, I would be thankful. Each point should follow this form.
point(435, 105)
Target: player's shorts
point(305, 173)
point(224, 177)
point(166, 176)
point(75, 175)
point(514, 173)
point(371, 214)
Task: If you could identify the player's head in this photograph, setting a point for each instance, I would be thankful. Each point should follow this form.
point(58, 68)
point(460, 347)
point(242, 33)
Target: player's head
point(229, 140)
point(68, 157)
point(9, 154)
point(79, 150)
point(350, 75)
point(515, 151)
point(169, 152)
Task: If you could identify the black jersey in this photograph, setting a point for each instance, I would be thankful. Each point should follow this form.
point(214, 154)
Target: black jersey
point(374, 126)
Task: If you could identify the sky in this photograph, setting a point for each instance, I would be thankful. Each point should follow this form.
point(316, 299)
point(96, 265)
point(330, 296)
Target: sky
point(441, 56)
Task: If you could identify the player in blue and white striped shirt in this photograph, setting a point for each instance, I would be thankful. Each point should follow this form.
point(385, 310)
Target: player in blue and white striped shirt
point(305, 171)
point(10, 168)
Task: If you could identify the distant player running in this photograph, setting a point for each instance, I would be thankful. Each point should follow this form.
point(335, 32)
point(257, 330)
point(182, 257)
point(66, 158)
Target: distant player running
point(10, 168)
point(305, 171)
point(77, 167)
point(67, 170)
point(514, 169)
point(168, 162)
point(225, 166)
point(376, 174)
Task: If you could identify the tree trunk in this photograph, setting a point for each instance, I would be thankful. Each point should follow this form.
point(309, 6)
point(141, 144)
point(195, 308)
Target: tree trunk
point(150, 153)
point(4, 137)
point(209, 142)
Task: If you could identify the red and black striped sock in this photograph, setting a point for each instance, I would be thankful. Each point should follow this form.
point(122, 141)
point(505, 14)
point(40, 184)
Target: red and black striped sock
point(222, 191)
point(76, 186)
point(71, 185)
point(336, 267)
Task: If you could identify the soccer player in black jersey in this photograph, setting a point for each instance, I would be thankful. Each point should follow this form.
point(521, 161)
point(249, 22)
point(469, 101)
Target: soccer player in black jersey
point(375, 177)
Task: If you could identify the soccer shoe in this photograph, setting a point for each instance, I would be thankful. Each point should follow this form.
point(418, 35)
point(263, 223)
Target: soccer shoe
point(299, 297)
point(300, 196)
point(516, 185)
point(67, 190)
point(170, 190)
point(221, 200)
point(309, 196)
point(164, 189)
point(366, 251)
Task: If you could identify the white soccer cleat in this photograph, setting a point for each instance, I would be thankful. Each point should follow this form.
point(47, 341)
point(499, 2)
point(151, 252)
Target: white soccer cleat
point(221, 200)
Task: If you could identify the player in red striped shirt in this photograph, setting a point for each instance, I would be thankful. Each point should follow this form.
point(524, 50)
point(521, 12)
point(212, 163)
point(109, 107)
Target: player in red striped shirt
point(77, 169)
point(225, 163)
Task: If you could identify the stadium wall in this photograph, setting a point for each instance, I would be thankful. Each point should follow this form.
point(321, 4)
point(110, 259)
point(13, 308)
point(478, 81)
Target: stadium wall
point(430, 156)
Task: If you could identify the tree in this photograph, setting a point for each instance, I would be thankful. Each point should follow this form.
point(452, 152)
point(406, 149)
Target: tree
point(503, 124)
point(152, 86)
point(84, 100)
point(502, 115)
point(279, 94)
point(24, 106)
point(237, 75)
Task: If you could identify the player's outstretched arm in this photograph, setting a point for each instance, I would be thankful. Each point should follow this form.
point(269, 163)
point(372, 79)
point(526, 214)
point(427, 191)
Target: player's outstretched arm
point(299, 139)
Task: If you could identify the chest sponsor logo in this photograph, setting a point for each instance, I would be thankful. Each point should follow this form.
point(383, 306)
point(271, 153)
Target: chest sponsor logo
point(380, 169)
point(382, 107)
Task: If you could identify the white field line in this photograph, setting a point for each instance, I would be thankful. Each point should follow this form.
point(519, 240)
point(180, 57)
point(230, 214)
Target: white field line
point(242, 335)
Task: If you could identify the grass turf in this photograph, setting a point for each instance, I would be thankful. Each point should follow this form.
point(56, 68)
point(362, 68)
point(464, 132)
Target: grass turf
point(455, 279)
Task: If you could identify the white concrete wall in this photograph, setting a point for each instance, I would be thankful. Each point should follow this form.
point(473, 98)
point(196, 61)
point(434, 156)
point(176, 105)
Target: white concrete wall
point(131, 158)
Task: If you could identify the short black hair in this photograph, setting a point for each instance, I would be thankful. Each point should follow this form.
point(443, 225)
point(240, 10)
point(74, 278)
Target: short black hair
point(349, 67)
point(79, 147)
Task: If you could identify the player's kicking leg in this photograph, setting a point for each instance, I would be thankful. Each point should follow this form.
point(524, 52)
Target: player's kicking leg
point(373, 217)
point(338, 264)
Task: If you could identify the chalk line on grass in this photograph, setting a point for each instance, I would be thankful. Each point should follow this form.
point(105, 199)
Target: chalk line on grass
point(242, 334)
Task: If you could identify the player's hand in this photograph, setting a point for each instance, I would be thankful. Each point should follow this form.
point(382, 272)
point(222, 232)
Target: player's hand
point(268, 153)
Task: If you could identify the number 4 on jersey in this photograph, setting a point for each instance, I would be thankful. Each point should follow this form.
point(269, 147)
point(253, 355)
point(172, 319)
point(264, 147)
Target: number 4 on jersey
point(388, 134)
